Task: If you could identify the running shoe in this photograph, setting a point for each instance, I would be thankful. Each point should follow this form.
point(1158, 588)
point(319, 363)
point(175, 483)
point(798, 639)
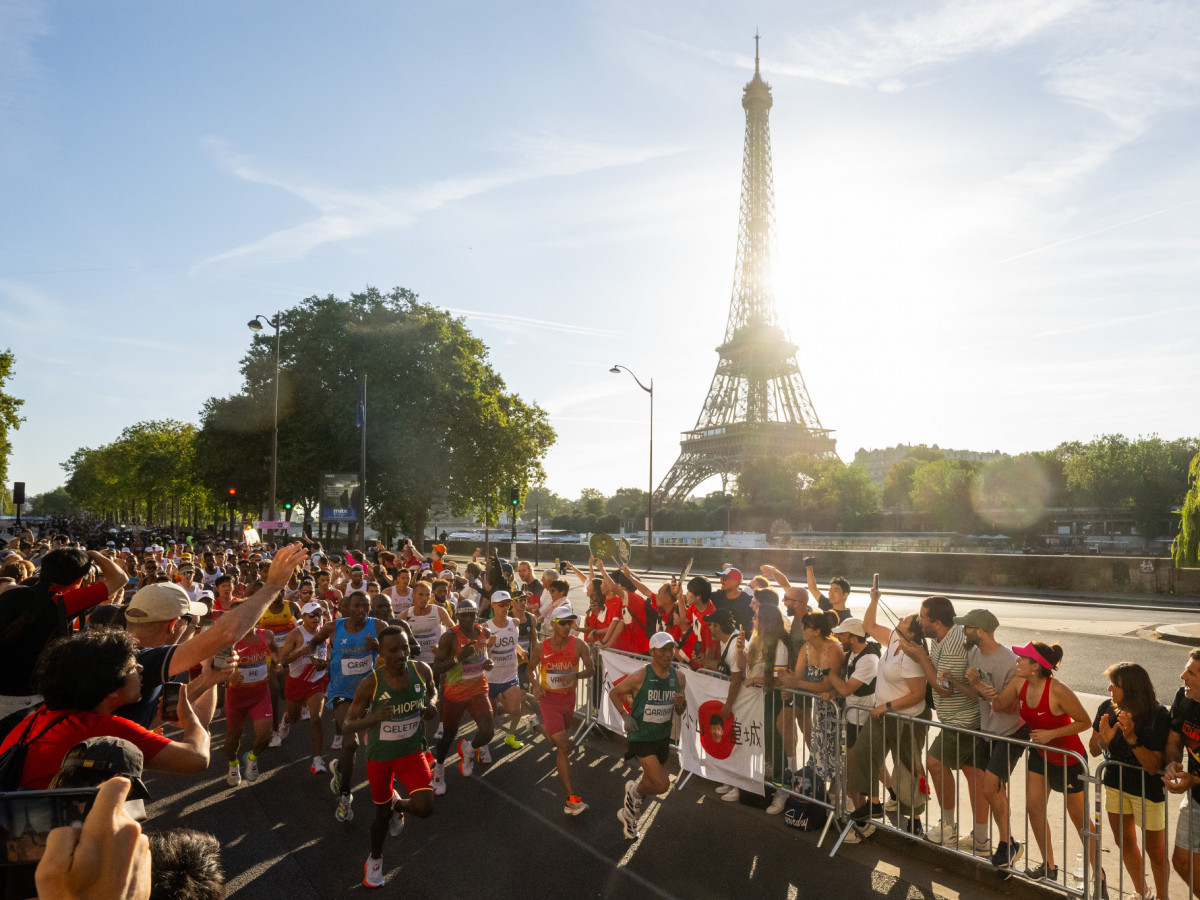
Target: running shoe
point(439, 779)
point(276, 740)
point(777, 803)
point(284, 730)
point(396, 822)
point(373, 873)
point(512, 741)
point(251, 768)
point(1041, 870)
point(466, 757)
point(732, 795)
point(973, 845)
point(345, 812)
point(438, 734)
point(234, 776)
point(484, 755)
point(724, 788)
point(868, 810)
point(890, 804)
point(318, 766)
point(305, 715)
point(942, 833)
point(633, 801)
point(629, 825)
point(1007, 854)
point(575, 805)
point(858, 833)
point(336, 743)
point(335, 783)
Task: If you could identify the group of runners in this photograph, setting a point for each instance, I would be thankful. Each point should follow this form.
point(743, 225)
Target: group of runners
point(401, 657)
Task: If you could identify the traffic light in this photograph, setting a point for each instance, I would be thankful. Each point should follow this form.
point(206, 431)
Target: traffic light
point(287, 507)
point(232, 494)
point(514, 497)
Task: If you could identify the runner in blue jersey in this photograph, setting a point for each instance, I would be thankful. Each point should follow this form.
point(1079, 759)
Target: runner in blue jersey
point(351, 658)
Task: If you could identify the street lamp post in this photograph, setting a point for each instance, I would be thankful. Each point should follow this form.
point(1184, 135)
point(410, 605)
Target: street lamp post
point(616, 370)
point(256, 326)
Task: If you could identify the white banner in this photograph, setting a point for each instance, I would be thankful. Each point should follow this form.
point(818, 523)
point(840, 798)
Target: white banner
point(730, 749)
point(614, 667)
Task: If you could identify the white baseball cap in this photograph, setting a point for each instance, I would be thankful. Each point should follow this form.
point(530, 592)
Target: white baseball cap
point(661, 639)
point(162, 602)
point(563, 611)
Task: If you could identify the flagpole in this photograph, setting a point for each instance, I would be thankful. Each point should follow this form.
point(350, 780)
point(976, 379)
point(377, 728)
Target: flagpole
point(362, 467)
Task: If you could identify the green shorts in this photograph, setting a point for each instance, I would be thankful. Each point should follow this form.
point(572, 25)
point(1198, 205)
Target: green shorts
point(953, 749)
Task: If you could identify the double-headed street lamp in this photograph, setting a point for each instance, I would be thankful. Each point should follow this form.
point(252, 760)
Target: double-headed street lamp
point(616, 370)
point(256, 326)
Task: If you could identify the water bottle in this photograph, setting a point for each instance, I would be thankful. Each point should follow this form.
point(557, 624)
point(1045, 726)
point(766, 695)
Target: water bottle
point(1077, 872)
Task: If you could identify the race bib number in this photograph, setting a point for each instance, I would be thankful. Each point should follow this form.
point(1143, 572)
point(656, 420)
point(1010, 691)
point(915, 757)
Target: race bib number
point(474, 668)
point(399, 729)
point(252, 673)
point(356, 665)
point(560, 680)
point(279, 639)
point(658, 714)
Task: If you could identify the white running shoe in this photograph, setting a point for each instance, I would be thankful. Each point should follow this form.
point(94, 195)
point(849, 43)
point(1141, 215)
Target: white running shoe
point(942, 833)
point(439, 779)
point(335, 783)
point(438, 734)
point(251, 769)
point(574, 805)
point(732, 795)
point(373, 873)
point(466, 757)
point(318, 766)
point(633, 802)
point(234, 776)
point(396, 822)
point(305, 715)
point(344, 811)
point(777, 803)
point(276, 740)
point(629, 826)
point(484, 755)
point(336, 744)
point(724, 788)
point(284, 730)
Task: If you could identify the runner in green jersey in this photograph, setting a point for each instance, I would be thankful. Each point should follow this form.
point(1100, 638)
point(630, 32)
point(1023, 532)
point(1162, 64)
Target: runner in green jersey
point(391, 705)
point(655, 695)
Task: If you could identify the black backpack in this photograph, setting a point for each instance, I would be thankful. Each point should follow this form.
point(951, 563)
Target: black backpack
point(12, 760)
point(805, 814)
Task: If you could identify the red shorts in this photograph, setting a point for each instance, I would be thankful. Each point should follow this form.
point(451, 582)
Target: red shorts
point(414, 772)
point(556, 710)
point(452, 710)
point(297, 690)
point(257, 706)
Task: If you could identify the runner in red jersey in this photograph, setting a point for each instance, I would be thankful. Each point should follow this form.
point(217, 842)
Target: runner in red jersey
point(248, 694)
point(555, 667)
point(461, 656)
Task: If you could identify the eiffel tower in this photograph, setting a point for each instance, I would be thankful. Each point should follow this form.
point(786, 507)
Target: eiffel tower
point(758, 404)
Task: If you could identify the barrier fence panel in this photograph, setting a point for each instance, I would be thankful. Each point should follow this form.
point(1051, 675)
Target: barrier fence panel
point(1133, 810)
point(812, 737)
point(587, 698)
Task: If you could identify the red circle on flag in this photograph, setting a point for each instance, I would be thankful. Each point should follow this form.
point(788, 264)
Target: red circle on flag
point(716, 730)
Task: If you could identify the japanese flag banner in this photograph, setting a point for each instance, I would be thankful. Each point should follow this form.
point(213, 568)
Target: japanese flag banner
point(615, 666)
point(728, 749)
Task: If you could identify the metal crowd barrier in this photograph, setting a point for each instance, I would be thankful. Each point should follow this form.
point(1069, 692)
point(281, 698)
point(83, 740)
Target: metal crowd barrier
point(1154, 865)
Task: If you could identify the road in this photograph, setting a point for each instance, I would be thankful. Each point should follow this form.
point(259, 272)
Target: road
point(503, 832)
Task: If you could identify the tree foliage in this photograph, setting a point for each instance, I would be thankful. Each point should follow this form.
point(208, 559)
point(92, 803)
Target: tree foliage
point(1187, 543)
point(942, 491)
point(437, 415)
point(10, 420)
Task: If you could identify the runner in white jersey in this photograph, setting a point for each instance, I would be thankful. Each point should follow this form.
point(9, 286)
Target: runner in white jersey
point(504, 689)
point(307, 678)
point(427, 622)
point(401, 596)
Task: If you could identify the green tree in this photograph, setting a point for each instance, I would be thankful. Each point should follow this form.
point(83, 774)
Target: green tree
point(437, 414)
point(942, 491)
point(1011, 493)
point(1187, 543)
point(54, 503)
point(842, 498)
point(9, 419)
point(898, 483)
point(591, 502)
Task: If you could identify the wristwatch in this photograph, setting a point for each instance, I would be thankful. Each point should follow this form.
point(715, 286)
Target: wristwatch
point(888, 705)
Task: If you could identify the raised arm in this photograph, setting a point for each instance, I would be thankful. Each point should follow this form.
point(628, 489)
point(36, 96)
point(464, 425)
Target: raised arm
point(881, 633)
point(779, 578)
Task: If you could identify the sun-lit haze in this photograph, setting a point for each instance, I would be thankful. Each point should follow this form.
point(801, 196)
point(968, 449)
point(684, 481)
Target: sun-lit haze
point(988, 213)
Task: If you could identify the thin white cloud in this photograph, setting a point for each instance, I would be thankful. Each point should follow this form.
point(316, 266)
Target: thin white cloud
point(1118, 320)
point(345, 215)
point(518, 323)
point(21, 23)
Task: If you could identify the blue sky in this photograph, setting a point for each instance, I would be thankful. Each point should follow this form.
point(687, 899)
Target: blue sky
point(987, 212)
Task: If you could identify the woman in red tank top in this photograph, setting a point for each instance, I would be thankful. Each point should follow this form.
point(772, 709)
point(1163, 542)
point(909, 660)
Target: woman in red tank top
point(1055, 718)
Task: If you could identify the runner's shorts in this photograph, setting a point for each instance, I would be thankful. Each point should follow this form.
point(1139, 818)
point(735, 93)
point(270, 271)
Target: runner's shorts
point(256, 706)
point(641, 749)
point(556, 709)
point(298, 690)
point(414, 772)
point(495, 690)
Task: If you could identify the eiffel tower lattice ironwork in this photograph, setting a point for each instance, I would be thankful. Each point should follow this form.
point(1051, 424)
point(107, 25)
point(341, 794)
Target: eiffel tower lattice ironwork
point(758, 404)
